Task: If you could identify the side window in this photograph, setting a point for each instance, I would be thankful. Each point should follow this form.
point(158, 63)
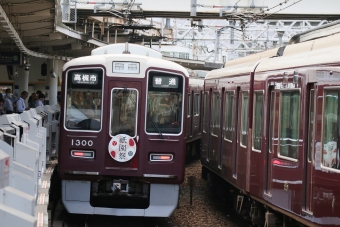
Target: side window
point(206, 112)
point(244, 118)
point(257, 125)
point(189, 105)
point(331, 130)
point(216, 113)
point(228, 115)
point(289, 123)
point(197, 106)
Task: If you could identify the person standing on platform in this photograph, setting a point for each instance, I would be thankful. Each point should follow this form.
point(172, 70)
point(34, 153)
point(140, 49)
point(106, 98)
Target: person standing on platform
point(21, 106)
point(40, 100)
point(32, 100)
point(9, 102)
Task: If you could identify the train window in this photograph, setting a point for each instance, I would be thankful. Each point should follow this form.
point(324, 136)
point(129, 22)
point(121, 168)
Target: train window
point(123, 111)
point(83, 104)
point(244, 118)
point(257, 130)
point(289, 123)
point(206, 112)
point(189, 106)
point(164, 103)
point(215, 120)
point(228, 115)
point(331, 130)
point(197, 106)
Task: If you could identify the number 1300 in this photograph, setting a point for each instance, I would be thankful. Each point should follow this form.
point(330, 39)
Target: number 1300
point(81, 142)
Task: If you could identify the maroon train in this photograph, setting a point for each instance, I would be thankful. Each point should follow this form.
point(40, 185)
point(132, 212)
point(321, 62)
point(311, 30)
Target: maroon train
point(271, 128)
point(122, 133)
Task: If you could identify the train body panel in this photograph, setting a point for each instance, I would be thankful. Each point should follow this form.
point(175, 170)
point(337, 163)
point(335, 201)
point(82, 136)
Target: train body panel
point(275, 136)
point(123, 133)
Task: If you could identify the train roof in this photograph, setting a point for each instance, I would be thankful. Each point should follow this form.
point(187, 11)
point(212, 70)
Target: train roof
point(125, 48)
point(320, 51)
point(107, 59)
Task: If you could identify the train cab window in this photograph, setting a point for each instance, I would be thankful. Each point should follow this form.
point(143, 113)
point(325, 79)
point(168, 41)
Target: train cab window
point(123, 111)
point(215, 113)
point(206, 112)
point(289, 123)
point(164, 103)
point(257, 129)
point(83, 104)
point(197, 104)
point(229, 115)
point(189, 106)
point(244, 118)
point(331, 129)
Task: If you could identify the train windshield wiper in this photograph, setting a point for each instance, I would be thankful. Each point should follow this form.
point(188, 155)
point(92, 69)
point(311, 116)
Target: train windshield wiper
point(157, 129)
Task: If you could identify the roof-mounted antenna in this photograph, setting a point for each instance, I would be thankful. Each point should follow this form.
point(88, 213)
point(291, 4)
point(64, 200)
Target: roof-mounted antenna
point(126, 51)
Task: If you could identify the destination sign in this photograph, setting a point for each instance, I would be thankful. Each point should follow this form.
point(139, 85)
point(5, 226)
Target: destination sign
point(84, 78)
point(165, 82)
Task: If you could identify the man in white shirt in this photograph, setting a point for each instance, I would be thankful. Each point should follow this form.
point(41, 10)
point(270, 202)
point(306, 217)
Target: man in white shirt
point(21, 105)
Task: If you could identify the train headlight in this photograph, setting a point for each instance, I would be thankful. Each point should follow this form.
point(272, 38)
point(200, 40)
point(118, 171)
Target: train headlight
point(161, 157)
point(82, 154)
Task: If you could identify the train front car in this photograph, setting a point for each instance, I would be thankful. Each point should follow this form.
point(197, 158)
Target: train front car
point(122, 142)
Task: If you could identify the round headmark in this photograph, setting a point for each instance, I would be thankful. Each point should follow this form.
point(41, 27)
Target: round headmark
point(122, 148)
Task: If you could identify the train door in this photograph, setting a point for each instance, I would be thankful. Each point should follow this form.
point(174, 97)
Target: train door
point(286, 170)
point(326, 177)
point(309, 138)
point(228, 129)
point(124, 120)
point(269, 135)
point(206, 127)
point(215, 128)
point(243, 137)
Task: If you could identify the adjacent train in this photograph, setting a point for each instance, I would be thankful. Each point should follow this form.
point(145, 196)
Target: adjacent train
point(123, 132)
point(271, 127)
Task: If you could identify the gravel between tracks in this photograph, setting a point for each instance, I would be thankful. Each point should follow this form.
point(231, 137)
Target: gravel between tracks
point(207, 209)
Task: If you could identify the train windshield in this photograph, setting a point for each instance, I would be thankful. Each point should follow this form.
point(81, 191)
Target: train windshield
point(123, 111)
point(83, 104)
point(164, 103)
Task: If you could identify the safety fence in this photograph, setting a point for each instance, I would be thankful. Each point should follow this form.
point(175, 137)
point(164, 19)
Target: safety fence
point(28, 145)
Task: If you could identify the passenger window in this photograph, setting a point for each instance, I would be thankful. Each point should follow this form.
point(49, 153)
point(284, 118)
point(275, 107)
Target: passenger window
point(206, 112)
point(228, 115)
point(289, 123)
point(257, 130)
point(244, 121)
point(197, 106)
point(331, 130)
point(216, 113)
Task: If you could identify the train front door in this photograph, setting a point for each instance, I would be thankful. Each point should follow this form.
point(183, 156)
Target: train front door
point(124, 129)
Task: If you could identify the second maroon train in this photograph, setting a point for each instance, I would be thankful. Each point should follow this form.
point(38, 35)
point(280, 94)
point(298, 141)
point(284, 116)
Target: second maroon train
point(270, 130)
